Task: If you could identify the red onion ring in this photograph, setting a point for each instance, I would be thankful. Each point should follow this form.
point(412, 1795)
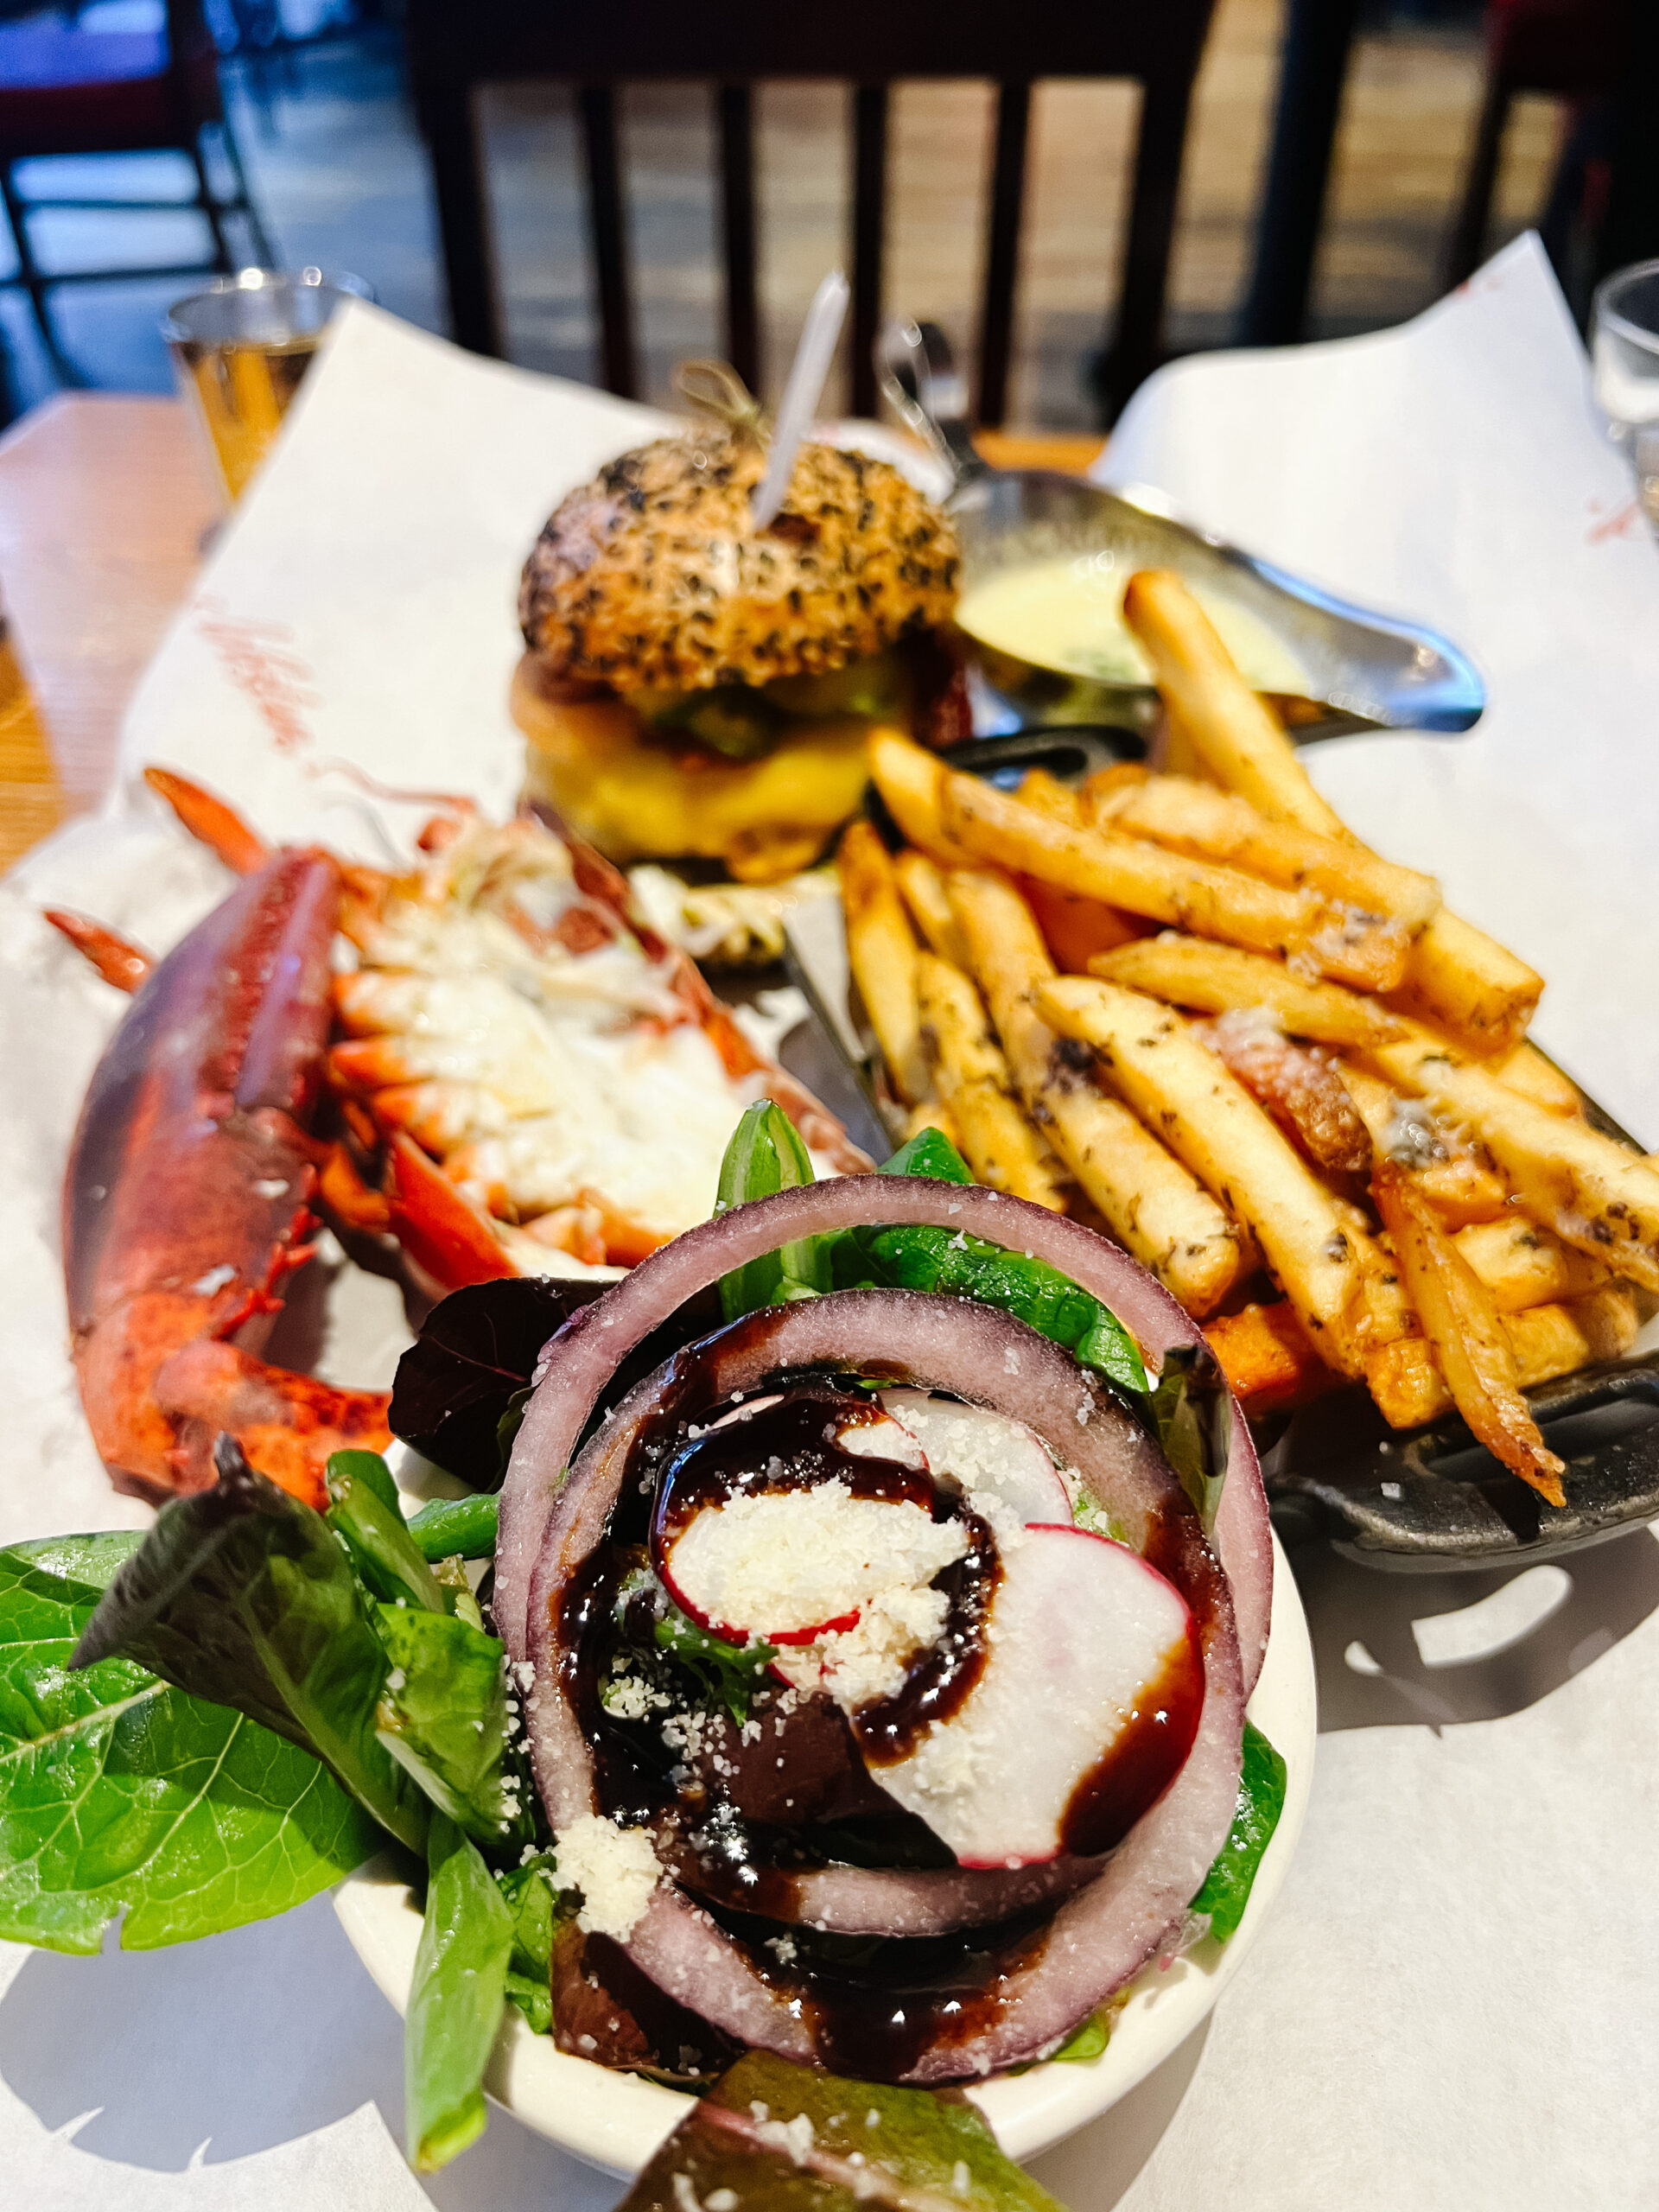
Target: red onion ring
point(930, 1901)
point(579, 1362)
point(1106, 1932)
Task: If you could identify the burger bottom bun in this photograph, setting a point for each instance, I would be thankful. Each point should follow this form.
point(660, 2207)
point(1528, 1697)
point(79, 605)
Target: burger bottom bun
point(635, 799)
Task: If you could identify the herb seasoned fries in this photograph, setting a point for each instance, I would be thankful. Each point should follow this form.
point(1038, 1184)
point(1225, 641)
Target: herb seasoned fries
point(1306, 1102)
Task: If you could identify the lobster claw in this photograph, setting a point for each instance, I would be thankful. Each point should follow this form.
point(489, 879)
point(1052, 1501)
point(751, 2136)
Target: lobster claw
point(187, 1195)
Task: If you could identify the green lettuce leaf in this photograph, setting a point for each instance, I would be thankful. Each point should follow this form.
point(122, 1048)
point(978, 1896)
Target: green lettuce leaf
point(766, 1154)
point(919, 1257)
point(443, 1717)
point(778, 2137)
point(368, 1467)
point(121, 1795)
point(456, 1528)
point(455, 1999)
point(244, 1595)
point(364, 1512)
point(1228, 1884)
point(1087, 2040)
point(930, 1152)
point(531, 1894)
point(1191, 1417)
point(729, 1672)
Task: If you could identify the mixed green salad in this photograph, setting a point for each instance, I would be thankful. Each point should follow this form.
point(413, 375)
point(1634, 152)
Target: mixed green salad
point(210, 1723)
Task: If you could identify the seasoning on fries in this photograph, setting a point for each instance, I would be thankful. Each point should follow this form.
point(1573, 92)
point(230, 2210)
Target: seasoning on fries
point(1181, 1089)
point(1151, 1204)
point(1281, 1073)
point(971, 1078)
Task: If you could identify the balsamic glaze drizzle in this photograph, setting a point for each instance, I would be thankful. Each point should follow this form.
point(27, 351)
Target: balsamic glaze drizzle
point(875, 2006)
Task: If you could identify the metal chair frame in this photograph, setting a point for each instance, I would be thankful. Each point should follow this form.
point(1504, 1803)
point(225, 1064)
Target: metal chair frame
point(184, 25)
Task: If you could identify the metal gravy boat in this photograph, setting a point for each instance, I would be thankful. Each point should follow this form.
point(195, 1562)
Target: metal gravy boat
point(1364, 670)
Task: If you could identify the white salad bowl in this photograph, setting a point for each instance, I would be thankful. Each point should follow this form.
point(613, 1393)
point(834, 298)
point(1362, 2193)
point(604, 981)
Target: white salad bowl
point(615, 2121)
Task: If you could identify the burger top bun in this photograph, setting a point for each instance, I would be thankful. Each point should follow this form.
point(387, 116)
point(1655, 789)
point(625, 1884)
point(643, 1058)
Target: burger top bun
point(652, 577)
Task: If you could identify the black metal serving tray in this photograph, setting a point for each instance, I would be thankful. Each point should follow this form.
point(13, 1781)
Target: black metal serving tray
point(1425, 1500)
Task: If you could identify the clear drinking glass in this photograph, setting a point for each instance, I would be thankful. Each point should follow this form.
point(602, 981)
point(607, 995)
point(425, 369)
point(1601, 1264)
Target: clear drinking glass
point(1625, 349)
point(240, 349)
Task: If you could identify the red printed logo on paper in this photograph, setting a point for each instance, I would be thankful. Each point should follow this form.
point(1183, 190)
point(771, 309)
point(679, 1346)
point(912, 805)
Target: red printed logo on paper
point(1622, 523)
point(259, 658)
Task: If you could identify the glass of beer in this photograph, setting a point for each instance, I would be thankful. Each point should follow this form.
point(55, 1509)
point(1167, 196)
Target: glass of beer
point(1625, 349)
point(240, 349)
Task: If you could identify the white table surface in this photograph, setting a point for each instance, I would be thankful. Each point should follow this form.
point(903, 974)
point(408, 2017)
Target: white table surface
point(1455, 2003)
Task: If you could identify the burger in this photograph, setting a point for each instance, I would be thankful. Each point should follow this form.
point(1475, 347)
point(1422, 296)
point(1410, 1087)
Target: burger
point(695, 687)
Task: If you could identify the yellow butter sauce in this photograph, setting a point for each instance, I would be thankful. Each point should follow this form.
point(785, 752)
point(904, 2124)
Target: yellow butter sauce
point(1068, 615)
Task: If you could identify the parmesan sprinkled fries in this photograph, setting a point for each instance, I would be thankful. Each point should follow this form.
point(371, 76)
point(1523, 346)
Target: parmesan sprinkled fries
point(1195, 1007)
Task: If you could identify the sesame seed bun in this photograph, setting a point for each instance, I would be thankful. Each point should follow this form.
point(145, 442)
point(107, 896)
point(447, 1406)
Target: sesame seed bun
point(652, 578)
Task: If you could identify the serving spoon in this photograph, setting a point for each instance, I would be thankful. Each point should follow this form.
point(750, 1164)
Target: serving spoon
point(1365, 670)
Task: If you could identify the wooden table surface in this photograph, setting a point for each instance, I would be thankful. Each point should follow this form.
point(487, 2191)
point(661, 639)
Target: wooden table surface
point(103, 503)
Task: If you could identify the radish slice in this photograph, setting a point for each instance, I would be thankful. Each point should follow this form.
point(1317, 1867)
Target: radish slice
point(578, 1365)
point(1086, 1708)
point(883, 1438)
point(789, 1566)
point(749, 1411)
point(998, 1462)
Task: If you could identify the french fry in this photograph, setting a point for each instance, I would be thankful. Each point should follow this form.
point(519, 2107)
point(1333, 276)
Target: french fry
point(1049, 796)
point(1594, 1194)
point(1470, 1346)
point(1198, 896)
point(1464, 983)
point(971, 1077)
point(1267, 1358)
point(1406, 1380)
point(1211, 978)
point(1386, 1303)
point(1461, 1188)
point(911, 779)
point(1235, 734)
point(1146, 1198)
point(1523, 1265)
point(1123, 775)
point(922, 887)
point(1535, 1078)
point(1209, 1121)
point(1191, 817)
point(1459, 977)
point(1176, 754)
point(881, 950)
point(1075, 929)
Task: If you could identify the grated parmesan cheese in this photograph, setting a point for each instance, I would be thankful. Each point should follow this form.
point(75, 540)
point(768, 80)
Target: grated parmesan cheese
point(615, 1869)
point(782, 1563)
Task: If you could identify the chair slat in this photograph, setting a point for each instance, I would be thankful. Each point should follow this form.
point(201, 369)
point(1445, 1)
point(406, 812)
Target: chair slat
point(1318, 36)
point(450, 120)
point(1002, 250)
point(609, 231)
point(1134, 351)
point(869, 235)
point(734, 106)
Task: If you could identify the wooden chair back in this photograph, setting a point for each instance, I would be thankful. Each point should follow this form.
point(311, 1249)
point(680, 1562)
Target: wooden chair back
point(871, 44)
